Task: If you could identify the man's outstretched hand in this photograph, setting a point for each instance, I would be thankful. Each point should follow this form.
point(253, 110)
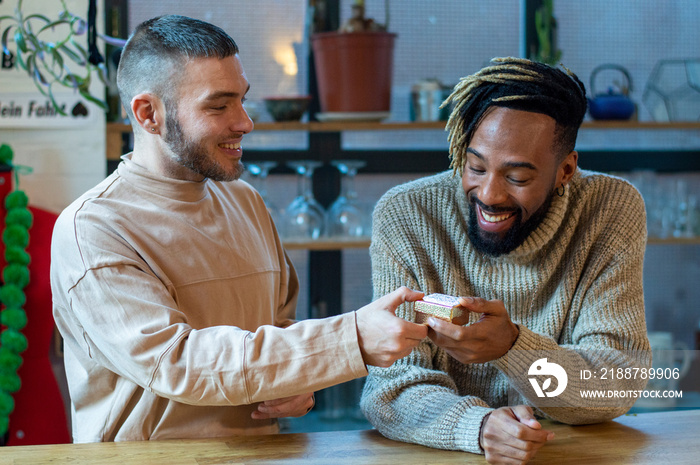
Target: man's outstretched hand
point(384, 337)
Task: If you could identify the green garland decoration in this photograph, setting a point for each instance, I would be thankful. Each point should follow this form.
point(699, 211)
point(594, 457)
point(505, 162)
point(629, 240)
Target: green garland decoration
point(15, 277)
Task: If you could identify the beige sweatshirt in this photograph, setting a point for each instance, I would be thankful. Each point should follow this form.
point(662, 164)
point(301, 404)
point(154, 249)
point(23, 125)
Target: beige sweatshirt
point(574, 288)
point(176, 301)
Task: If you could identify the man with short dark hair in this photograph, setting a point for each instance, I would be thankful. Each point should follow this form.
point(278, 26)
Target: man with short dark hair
point(171, 288)
point(547, 259)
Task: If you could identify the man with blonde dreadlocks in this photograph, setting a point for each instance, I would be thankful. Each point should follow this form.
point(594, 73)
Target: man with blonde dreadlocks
point(546, 257)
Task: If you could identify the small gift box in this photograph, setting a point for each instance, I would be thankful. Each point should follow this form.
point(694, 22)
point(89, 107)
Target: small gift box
point(442, 306)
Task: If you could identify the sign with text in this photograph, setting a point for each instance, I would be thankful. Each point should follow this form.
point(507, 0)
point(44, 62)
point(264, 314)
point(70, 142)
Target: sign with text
point(29, 110)
point(601, 378)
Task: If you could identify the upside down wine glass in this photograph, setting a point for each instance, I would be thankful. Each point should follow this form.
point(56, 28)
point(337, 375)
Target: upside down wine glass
point(260, 170)
point(304, 217)
point(346, 216)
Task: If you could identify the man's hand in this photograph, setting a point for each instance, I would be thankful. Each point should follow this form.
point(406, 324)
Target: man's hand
point(295, 406)
point(487, 339)
point(384, 337)
point(512, 435)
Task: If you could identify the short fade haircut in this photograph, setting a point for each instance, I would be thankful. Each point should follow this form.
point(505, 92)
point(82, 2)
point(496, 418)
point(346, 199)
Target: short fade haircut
point(518, 84)
point(159, 48)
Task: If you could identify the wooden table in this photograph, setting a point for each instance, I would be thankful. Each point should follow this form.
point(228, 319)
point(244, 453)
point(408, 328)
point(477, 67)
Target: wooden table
point(649, 438)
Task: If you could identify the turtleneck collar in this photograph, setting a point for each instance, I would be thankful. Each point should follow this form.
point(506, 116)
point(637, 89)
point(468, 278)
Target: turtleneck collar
point(176, 189)
point(544, 233)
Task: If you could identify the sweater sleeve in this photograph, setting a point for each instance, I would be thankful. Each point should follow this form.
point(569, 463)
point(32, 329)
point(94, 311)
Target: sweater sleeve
point(415, 400)
point(607, 331)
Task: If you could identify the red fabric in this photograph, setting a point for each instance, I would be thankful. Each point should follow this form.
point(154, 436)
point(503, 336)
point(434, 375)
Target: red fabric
point(39, 416)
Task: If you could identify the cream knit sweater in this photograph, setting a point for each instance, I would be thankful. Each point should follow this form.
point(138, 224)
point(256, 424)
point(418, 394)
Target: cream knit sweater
point(574, 288)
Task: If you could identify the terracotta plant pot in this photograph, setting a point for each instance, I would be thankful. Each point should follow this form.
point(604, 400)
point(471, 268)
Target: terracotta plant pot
point(354, 70)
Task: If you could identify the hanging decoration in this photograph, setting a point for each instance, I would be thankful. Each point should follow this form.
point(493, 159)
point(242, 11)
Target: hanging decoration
point(15, 277)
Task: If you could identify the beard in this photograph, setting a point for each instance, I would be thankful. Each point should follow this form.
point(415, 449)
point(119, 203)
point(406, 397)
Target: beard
point(494, 244)
point(193, 154)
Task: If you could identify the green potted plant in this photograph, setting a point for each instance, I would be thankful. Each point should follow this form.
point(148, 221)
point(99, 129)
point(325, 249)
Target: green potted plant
point(546, 28)
point(50, 62)
point(354, 68)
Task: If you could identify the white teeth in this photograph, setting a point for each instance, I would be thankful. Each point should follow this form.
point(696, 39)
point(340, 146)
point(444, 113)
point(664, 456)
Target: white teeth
point(495, 218)
point(235, 146)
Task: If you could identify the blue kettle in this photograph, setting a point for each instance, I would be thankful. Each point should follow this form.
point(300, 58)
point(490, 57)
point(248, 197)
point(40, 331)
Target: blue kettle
point(614, 104)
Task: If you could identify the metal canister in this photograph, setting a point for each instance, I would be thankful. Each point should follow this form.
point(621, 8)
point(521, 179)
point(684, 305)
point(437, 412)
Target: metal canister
point(426, 97)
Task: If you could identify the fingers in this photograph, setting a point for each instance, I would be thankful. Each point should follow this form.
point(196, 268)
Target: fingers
point(294, 406)
point(446, 328)
point(525, 415)
point(383, 337)
point(399, 296)
point(506, 439)
point(481, 305)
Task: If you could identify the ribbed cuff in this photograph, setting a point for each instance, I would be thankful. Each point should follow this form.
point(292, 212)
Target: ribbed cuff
point(468, 429)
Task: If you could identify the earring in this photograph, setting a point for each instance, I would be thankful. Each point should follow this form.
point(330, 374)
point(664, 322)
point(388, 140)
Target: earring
point(153, 129)
point(563, 190)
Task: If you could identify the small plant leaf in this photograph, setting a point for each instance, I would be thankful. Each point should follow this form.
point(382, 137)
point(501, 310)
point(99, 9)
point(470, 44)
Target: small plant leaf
point(70, 81)
point(71, 54)
point(55, 104)
point(57, 58)
point(103, 73)
point(5, 35)
point(52, 25)
point(19, 40)
point(37, 15)
point(86, 95)
point(80, 48)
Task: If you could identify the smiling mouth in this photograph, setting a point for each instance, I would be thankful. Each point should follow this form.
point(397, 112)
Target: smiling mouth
point(495, 218)
point(235, 146)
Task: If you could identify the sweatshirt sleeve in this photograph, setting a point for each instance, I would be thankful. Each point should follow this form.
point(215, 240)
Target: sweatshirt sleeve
point(142, 336)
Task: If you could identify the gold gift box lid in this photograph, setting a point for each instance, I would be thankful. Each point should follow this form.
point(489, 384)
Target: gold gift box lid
point(442, 306)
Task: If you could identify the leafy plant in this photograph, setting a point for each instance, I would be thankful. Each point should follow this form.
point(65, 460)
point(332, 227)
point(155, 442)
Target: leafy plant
point(47, 61)
point(546, 26)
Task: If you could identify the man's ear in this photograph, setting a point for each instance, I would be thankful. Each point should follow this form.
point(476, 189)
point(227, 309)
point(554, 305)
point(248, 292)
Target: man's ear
point(147, 110)
point(567, 168)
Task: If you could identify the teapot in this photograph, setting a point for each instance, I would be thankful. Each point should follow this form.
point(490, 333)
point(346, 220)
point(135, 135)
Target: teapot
point(614, 104)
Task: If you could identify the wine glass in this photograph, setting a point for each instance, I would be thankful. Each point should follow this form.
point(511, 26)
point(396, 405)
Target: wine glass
point(304, 216)
point(346, 216)
point(260, 170)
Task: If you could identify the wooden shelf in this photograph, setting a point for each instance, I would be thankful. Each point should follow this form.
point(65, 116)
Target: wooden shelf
point(115, 130)
point(339, 126)
point(673, 240)
point(363, 243)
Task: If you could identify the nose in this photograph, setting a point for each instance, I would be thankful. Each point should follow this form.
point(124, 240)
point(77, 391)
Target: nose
point(492, 192)
point(242, 122)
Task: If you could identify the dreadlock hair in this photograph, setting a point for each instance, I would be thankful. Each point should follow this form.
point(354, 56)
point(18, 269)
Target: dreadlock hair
point(518, 84)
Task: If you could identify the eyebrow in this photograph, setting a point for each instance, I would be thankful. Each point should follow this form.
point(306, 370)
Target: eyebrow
point(224, 94)
point(510, 164)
